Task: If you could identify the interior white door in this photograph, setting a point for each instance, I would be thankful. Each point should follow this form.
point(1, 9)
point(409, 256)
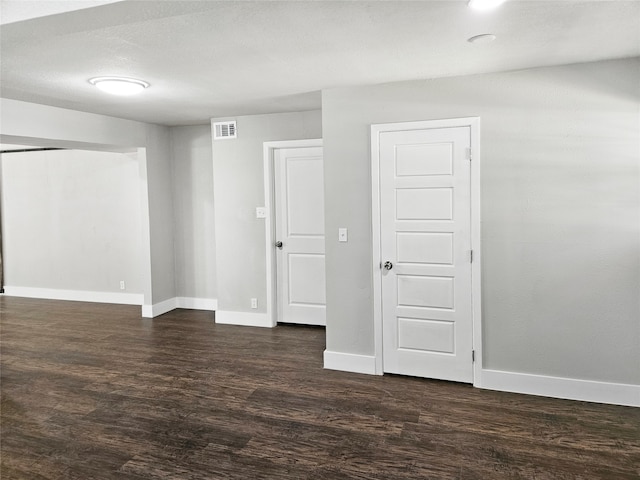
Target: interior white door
point(299, 198)
point(425, 209)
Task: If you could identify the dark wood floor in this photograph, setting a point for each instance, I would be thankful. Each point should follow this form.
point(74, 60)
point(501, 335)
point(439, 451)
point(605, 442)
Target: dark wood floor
point(95, 392)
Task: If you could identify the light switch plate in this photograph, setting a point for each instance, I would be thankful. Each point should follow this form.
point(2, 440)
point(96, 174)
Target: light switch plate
point(342, 235)
point(261, 212)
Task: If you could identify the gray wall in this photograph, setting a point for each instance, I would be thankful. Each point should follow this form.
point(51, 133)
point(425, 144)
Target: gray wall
point(238, 177)
point(71, 220)
point(160, 192)
point(560, 185)
point(194, 229)
point(32, 123)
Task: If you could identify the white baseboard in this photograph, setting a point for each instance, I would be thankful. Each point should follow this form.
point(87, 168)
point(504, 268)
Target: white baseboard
point(160, 308)
point(349, 362)
point(194, 303)
point(247, 319)
point(557, 387)
point(540, 385)
point(75, 295)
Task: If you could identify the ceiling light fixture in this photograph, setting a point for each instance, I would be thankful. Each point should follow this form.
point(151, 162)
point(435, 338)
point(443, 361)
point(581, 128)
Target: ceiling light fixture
point(485, 4)
point(119, 85)
point(484, 38)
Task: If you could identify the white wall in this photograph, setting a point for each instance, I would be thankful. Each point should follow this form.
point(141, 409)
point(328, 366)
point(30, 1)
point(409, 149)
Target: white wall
point(238, 177)
point(560, 187)
point(194, 225)
point(71, 220)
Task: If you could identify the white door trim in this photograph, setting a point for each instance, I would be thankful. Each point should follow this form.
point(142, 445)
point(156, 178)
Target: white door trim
point(376, 130)
point(270, 221)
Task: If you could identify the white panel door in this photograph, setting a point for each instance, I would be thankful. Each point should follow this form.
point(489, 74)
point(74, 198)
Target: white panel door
point(299, 198)
point(425, 209)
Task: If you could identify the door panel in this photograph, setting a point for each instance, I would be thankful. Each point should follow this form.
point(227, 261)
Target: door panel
point(306, 279)
point(424, 159)
point(425, 291)
point(412, 247)
point(425, 222)
point(304, 193)
point(424, 204)
point(299, 195)
point(426, 335)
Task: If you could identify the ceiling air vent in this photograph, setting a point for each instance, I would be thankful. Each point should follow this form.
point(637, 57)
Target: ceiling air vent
point(224, 130)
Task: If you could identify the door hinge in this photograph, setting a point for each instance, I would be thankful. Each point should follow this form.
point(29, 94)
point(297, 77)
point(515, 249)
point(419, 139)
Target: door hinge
point(471, 255)
point(469, 156)
point(473, 355)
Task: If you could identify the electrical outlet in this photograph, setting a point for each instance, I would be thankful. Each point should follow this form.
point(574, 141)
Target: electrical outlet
point(254, 303)
point(122, 285)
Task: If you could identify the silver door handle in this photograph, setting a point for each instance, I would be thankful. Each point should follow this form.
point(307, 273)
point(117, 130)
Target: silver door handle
point(388, 265)
point(279, 244)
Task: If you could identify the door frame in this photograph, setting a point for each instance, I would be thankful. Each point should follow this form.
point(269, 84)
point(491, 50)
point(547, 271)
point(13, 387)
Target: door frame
point(270, 220)
point(376, 130)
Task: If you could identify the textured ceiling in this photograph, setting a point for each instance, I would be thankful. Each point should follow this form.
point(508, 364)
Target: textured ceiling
point(216, 58)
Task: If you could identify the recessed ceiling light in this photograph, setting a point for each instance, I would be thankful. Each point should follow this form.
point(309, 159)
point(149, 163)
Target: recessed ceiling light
point(119, 85)
point(484, 38)
point(485, 4)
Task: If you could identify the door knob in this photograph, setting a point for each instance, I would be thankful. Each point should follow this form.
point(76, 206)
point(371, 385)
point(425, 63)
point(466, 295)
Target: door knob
point(279, 244)
point(388, 265)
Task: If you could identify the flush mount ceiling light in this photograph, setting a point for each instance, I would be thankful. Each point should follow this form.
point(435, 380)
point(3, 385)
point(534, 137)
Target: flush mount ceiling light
point(485, 4)
point(484, 38)
point(119, 85)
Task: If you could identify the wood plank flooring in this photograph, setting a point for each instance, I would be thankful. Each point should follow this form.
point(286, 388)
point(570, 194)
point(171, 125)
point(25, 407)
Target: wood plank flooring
point(93, 391)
